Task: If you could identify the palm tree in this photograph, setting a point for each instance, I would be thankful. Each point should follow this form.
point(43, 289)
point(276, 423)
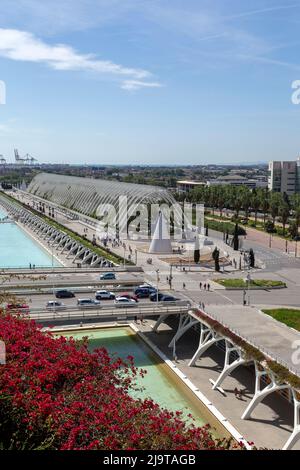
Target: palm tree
point(296, 209)
point(245, 195)
point(264, 203)
point(284, 212)
point(275, 201)
point(255, 203)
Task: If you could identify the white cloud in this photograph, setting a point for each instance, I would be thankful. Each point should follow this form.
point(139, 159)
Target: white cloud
point(24, 46)
point(137, 84)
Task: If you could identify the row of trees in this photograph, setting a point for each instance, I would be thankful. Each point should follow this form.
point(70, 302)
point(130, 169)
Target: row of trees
point(240, 198)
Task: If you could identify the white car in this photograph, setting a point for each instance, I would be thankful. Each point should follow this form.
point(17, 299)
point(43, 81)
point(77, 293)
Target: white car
point(55, 305)
point(125, 302)
point(104, 295)
point(88, 303)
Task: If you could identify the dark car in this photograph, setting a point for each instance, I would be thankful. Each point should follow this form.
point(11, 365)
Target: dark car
point(143, 292)
point(154, 297)
point(64, 294)
point(169, 298)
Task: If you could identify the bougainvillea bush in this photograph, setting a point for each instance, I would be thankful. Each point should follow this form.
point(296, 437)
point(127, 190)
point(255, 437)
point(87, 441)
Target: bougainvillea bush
point(55, 394)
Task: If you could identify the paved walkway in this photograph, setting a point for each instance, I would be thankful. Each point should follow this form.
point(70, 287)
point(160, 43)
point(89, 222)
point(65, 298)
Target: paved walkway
point(255, 327)
point(270, 424)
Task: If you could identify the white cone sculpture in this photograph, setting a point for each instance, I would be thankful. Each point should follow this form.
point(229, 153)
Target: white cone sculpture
point(161, 242)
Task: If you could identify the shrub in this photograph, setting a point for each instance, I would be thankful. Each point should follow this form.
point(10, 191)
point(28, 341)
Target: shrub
point(57, 395)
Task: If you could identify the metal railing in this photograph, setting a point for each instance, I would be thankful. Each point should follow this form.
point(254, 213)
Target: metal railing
point(70, 313)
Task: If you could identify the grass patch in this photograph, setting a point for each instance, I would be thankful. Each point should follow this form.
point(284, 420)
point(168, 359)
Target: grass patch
point(289, 317)
point(241, 283)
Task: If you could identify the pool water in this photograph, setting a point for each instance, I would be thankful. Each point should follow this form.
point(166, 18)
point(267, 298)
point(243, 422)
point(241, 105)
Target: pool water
point(18, 250)
point(159, 383)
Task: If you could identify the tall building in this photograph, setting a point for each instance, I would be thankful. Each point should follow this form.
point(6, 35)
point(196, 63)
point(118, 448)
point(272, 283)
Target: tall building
point(284, 177)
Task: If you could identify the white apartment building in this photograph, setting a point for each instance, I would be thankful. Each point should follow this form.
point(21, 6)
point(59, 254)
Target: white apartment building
point(284, 177)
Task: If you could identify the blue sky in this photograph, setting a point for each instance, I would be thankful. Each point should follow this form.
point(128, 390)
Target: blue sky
point(150, 81)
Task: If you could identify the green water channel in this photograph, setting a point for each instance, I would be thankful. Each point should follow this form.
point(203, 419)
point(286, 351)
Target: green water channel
point(160, 383)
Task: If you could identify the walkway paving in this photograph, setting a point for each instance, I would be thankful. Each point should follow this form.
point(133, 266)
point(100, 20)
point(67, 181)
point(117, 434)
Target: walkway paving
point(255, 327)
point(271, 423)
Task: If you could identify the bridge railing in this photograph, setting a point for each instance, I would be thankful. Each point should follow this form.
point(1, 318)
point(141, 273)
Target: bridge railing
point(69, 313)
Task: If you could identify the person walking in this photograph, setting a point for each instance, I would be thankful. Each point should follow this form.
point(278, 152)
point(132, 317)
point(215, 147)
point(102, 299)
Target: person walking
point(200, 285)
point(208, 287)
point(204, 286)
point(183, 285)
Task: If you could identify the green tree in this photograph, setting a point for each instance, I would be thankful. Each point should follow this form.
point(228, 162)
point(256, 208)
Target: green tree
point(255, 203)
point(275, 201)
point(284, 212)
point(216, 258)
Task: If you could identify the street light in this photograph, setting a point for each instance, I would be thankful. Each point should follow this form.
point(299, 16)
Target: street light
point(124, 256)
point(171, 275)
point(248, 283)
point(157, 282)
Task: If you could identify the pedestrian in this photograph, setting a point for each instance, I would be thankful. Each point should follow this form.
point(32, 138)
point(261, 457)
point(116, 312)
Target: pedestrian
point(183, 285)
point(208, 286)
point(204, 286)
point(203, 306)
point(29, 265)
point(200, 285)
point(236, 392)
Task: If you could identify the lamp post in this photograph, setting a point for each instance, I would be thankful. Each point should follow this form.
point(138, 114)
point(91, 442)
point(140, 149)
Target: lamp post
point(171, 275)
point(124, 248)
point(157, 283)
point(248, 283)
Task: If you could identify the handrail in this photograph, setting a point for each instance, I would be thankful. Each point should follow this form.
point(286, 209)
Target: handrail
point(109, 312)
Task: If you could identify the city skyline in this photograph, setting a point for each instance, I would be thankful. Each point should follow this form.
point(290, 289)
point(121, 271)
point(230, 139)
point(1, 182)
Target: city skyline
point(118, 82)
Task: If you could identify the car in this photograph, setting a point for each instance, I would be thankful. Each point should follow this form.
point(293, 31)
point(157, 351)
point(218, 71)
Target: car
point(24, 308)
point(129, 296)
point(124, 302)
point(88, 303)
point(64, 294)
point(149, 287)
point(55, 305)
point(107, 276)
point(104, 295)
point(144, 292)
point(168, 298)
point(157, 297)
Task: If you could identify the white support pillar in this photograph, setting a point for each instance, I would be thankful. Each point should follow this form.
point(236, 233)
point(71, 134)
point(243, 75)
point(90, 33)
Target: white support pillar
point(295, 436)
point(229, 366)
point(185, 323)
point(208, 337)
point(260, 393)
point(160, 320)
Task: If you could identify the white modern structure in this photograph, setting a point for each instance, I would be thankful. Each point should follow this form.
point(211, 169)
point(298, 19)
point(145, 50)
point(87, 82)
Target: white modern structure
point(266, 382)
point(284, 177)
point(161, 242)
point(85, 195)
